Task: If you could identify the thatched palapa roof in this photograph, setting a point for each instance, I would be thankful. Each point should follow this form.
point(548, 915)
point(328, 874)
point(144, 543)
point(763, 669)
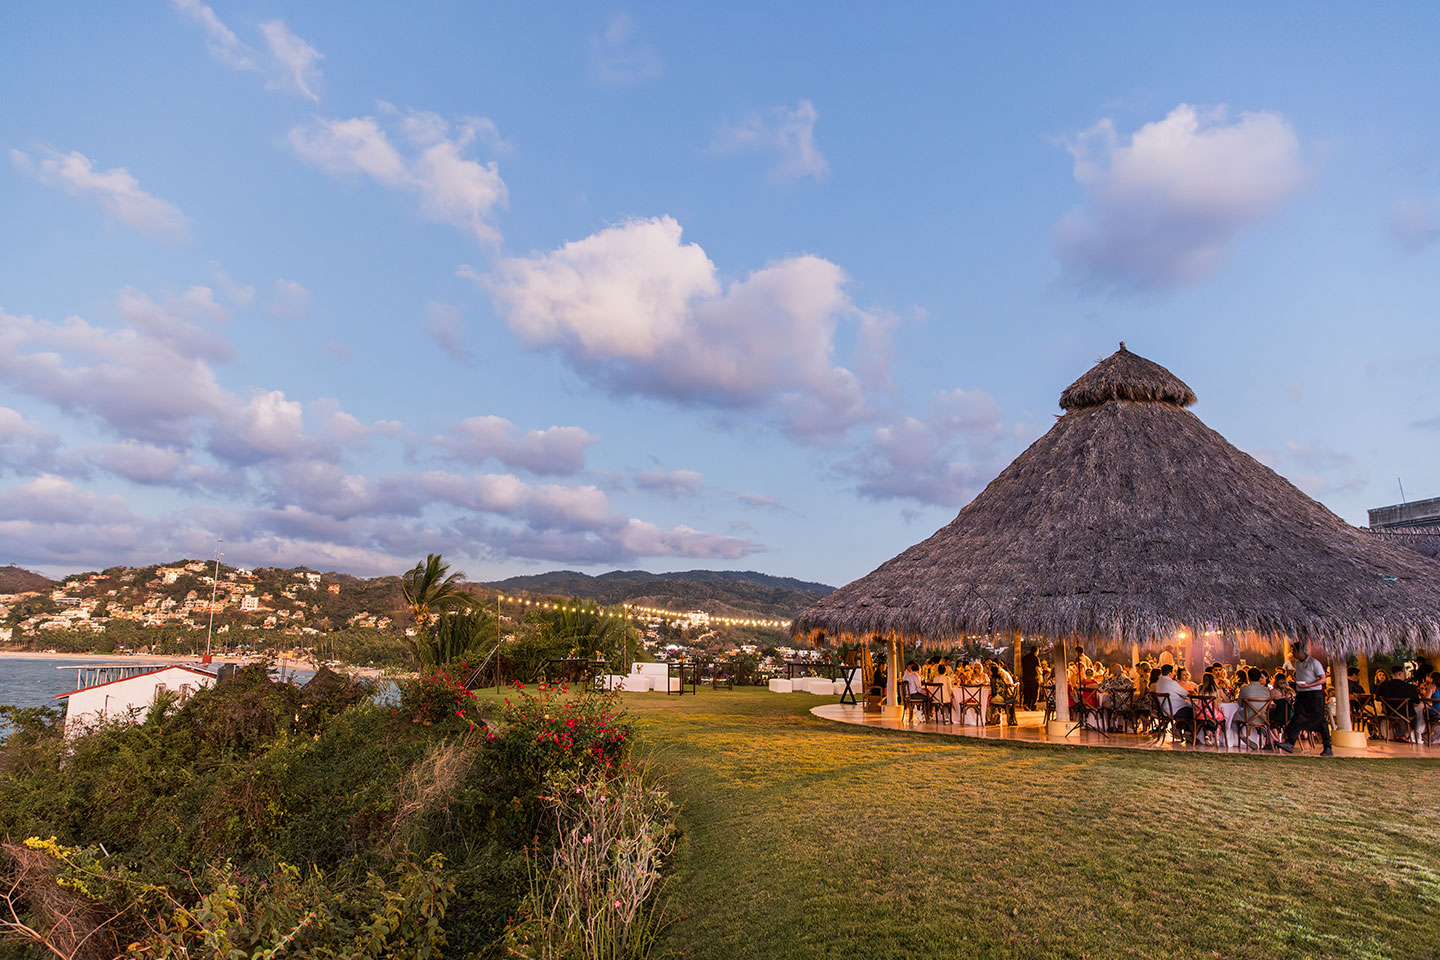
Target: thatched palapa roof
point(1130, 521)
point(1422, 540)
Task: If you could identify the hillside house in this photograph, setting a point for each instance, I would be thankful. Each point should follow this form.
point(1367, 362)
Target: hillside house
point(127, 695)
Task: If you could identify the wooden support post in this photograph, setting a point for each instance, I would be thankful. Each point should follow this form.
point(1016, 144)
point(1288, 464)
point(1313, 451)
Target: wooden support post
point(1134, 654)
point(1060, 658)
point(1343, 734)
point(892, 679)
point(1363, 662)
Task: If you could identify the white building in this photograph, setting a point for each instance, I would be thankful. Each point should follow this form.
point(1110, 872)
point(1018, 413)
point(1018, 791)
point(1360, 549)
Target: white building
point(115, 699)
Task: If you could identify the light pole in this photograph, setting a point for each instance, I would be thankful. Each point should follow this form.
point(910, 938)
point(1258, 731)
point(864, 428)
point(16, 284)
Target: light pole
point(214, 584)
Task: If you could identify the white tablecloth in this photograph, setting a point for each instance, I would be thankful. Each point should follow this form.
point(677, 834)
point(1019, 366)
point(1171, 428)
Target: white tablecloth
point(958, 694)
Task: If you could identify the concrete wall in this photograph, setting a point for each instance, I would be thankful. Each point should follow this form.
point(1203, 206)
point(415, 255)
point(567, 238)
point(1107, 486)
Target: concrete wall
point(1417, 513)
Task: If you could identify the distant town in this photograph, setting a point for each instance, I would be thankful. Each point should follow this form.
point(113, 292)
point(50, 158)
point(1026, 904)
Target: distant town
point(174, 608)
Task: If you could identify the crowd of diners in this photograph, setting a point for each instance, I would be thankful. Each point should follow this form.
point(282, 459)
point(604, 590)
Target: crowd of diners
point(1295, 696)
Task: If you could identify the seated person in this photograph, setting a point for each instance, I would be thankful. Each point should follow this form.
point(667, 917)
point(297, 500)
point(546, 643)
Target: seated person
point(911, 677)
point(946, 680)
point(1174, 700)
point(1119, 679)
point(1253, 688)
point(1399, 693)
point(1182, 677)
point(1002, 695)
point(878, 680)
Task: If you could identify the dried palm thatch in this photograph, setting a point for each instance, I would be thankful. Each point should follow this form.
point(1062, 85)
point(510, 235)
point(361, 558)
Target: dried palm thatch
point(1422, 540)
point(1130, 522)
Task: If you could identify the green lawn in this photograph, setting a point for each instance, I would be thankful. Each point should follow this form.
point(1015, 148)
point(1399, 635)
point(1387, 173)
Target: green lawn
point(806, 838)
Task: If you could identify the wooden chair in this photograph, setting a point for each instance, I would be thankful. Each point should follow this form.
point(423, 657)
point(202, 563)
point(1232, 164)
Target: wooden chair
point(939, 704)
point(1086, 706)
point(1431, 733)
point(1119, 710)
point(972, 700)
point(1004, 697)
point(1396, 720)
point(1048, 692)
point(1255, 719)
point(1207, 719)
point(1162, 720)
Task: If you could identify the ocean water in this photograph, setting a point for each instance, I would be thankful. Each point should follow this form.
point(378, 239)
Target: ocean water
point(34, 681)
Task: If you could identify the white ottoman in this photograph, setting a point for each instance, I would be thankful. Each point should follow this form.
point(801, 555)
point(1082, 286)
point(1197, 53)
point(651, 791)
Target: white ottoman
point(838, 687)
point(780, 686)
point(635, 683)
point(820, 685)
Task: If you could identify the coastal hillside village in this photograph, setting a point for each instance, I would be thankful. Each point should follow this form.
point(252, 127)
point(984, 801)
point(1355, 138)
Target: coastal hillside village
point(173, 607)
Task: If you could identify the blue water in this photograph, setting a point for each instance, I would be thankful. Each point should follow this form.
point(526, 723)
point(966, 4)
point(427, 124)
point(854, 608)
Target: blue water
point(34, 681)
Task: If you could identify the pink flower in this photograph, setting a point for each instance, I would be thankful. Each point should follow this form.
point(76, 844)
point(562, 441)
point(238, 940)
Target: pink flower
point(617, 904)
point(586, 839)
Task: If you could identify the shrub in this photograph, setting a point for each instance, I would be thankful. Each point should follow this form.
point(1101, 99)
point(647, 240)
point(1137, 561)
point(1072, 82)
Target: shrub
point(436, 696)
point(596, 895)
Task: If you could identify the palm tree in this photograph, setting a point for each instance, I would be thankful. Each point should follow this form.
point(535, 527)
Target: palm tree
point(430, 588)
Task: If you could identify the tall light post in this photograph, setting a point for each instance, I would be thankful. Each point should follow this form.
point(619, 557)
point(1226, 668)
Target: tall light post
point(214, 584)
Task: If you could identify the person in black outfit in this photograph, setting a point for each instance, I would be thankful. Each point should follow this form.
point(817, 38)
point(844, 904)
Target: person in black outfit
point(1029, 679)
point(1402, 695)
point(877, 683)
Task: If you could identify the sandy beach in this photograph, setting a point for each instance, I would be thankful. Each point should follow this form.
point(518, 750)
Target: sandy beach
point(80, 658)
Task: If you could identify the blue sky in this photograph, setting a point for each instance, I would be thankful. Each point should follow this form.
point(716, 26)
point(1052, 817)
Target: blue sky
point(671, 286)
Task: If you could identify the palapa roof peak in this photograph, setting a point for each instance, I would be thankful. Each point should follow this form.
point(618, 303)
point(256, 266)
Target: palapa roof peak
point(1131, 521)
point(1126, 376)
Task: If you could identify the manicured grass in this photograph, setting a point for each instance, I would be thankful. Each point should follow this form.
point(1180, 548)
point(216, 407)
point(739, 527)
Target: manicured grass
point(806, 838)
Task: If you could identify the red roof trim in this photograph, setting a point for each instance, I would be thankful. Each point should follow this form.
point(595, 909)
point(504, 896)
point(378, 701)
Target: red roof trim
point(133, 676)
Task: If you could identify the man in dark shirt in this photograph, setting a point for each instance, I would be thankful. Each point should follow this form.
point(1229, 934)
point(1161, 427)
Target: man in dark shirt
point(1400, 696)
point(1029, 679)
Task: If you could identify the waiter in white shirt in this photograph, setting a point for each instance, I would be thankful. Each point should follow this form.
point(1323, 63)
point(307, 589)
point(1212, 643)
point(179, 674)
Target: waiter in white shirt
point(1309, 701)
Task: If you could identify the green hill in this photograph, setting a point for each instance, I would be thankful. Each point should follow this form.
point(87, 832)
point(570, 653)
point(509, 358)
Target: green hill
point(721, 592)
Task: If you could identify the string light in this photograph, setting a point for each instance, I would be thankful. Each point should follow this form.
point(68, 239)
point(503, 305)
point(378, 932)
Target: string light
point(630, 610)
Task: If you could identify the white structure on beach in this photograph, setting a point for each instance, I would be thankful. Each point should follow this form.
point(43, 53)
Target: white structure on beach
point(129, 695)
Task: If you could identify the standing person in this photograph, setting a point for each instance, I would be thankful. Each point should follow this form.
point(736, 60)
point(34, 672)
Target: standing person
point(1030, 678)
point(1309, 701)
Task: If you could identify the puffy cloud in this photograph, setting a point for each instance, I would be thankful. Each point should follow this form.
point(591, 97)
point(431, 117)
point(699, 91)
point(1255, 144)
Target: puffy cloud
point(619, 57)
point(178, 322)
point(288, 300)
point(115, 191)
point(553, 450)
point(670, 483)
point(449, 187)
point(296, 61)
point(639, 312)
point(788, 132)
point(289, 63)
point(241, 295)
point(1164, 206)
point(24, 444)
point(1415, 222)
point(142, 385)
point(944, 459)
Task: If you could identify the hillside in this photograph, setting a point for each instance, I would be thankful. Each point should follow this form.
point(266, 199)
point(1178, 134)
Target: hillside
point(724, 592)
point(15, 579)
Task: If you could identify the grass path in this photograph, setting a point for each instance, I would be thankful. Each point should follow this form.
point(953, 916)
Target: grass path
point(805, 838)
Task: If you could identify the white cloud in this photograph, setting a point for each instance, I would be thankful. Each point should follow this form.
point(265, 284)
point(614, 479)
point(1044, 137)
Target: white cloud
point(224, 45)
point(449, 187)
point(619, 57)
point(446, 326)
point(552, 451)
point(241, 295)
point(670, 483)
point(288, 300)
point(943, 460)
point(25, 446)
point(142, 385)
point(289, 63)
point(1415, 222)
point(1164, 206)
point(1321, 469)
point(114, 191)
point(295, 59)
point(183, 322)
point(638, 311)
point(788, 132)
